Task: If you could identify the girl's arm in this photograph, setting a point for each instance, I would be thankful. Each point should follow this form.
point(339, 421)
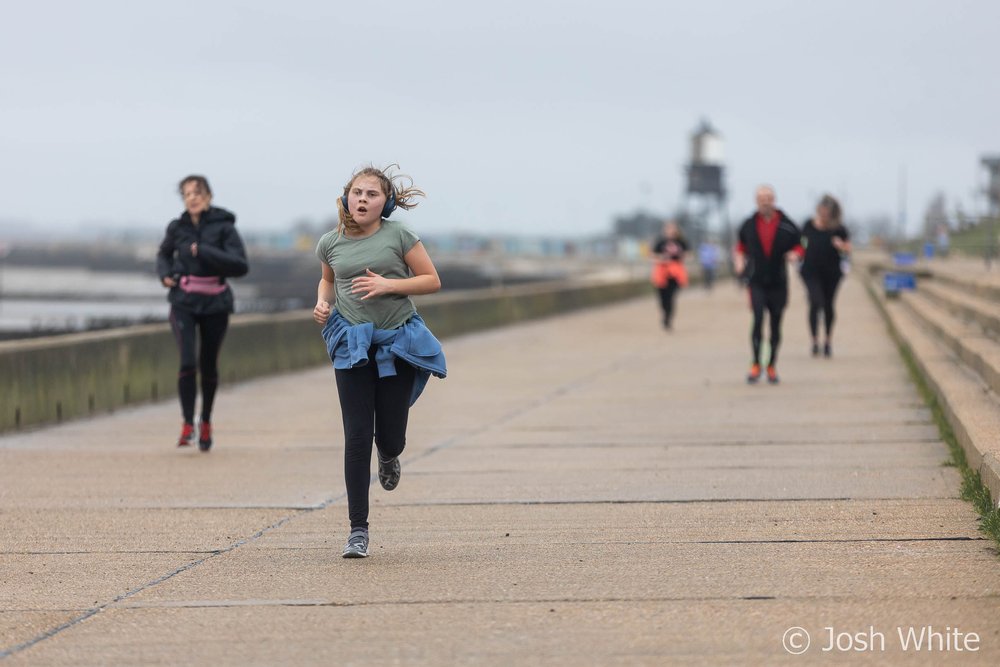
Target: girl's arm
point(425, 278)
point(326, 294)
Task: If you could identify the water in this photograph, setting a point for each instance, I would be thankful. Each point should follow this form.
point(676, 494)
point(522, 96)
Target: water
point(47, 283)
point(36, 315)
point(42, 300)
point(38, 300)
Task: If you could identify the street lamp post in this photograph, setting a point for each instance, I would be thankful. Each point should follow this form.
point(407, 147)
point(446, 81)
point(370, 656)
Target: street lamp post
point(992, 164)
point(4, 251)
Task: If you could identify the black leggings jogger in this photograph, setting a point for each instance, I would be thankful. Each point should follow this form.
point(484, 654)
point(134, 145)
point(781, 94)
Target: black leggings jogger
point(822, 291)
point(772, 299)
point(667, 295)
point(212, 329)
point(372, 407)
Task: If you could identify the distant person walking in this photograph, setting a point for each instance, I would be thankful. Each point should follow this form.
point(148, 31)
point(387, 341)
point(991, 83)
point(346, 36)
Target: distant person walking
point(669, 273)
point(826, 242)
point(382, 352)
point(199, 251)
point(943, 240)
point(708, 257)
point(766, 241)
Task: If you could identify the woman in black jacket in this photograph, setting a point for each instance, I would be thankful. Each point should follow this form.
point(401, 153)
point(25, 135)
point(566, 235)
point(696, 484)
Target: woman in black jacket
point(199, 251)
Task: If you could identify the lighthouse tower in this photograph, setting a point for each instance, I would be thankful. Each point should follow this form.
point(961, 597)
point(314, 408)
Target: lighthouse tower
point(705, 190)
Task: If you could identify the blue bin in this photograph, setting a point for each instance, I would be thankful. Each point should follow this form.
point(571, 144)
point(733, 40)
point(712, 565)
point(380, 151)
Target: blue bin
point(896, 282)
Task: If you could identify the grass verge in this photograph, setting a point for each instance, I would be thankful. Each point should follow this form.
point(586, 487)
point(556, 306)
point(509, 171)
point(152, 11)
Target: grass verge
point(973, 490)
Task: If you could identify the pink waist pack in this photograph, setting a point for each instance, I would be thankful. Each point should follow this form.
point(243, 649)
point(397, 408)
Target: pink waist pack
point(202, 285)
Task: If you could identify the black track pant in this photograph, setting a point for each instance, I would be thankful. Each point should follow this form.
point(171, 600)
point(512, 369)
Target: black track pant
point(198, 355)
point(667, 295)
point(822, 292)
point(773, 300)
point(372, 407)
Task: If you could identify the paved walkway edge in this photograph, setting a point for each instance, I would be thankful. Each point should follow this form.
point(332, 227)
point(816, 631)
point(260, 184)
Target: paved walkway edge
point(970, 410)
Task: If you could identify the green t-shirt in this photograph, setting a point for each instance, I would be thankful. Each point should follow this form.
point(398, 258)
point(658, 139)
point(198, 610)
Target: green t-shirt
point(382, 252)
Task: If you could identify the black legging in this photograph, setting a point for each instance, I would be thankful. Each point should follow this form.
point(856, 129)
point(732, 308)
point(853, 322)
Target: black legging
point(372, 407)
point(667, 295)
point(773, 299)
point(204, 356)
point(822, 292)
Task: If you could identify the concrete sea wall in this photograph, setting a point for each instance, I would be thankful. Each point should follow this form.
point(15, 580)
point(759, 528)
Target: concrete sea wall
point(54, 379)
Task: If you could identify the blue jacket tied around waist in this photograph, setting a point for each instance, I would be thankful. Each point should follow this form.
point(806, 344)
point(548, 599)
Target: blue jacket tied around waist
point(348, 346)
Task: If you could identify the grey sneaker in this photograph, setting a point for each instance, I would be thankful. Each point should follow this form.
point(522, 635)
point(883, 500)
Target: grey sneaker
point(357, 544)
point(388, 472)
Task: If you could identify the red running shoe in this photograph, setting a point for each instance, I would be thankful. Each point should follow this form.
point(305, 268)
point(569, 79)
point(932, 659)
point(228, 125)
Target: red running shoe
point(754, 374)
point(205, 437)
point(772, 375)
point(187, 436)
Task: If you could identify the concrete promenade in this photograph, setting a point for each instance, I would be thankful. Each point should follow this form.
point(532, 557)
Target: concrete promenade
point(581, 490)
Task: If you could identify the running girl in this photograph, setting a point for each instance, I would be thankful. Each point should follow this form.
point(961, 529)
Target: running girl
point(382, 352)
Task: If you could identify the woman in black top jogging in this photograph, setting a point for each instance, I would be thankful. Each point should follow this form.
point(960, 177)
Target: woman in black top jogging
point(826, 241)
point(199, 251)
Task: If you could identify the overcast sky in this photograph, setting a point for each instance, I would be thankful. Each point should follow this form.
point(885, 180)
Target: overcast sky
point(524, 116)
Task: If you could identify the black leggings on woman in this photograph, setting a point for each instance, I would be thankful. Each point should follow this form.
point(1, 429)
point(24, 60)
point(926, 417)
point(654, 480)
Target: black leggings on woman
point(773, 300)
point(372, 407)
point(212, 329)
point(667, 295)
point(822, 291)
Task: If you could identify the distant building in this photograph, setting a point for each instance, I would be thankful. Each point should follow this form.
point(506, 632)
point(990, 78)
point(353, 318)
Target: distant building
point(639, 225)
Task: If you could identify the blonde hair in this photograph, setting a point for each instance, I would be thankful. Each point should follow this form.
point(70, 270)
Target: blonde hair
point(400, 185)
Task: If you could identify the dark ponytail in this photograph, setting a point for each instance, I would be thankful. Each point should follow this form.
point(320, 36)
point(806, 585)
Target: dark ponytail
point(201, 181)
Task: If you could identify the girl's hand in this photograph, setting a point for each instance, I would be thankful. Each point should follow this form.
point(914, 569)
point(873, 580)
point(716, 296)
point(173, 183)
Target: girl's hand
point(169, 282)
point(371, 284)
point(194, 249)
point(838, 243)
point(321, 313)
